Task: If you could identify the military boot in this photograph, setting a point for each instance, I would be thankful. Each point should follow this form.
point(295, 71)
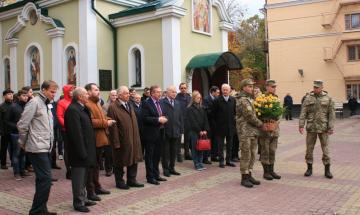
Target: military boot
point(253, 180)
point(327, 172)
point(267, 174)
point(272, 173)
point(245, 181)
point(309, 170)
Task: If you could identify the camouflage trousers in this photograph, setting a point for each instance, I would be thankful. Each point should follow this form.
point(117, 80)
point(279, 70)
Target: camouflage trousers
point(248, 146)
point(310, 144)
point(268, 149)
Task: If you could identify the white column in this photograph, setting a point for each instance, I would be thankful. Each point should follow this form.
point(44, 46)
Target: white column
point(12, 43)
point(225, 41)
point(88, 68)
point(171, 51)
point(57, 37)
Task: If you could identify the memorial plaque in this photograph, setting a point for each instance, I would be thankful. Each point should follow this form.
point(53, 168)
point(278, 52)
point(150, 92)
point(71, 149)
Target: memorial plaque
point(105, 80)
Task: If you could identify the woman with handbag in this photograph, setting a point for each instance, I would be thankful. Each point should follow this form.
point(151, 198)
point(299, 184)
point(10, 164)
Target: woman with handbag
point(197, 127)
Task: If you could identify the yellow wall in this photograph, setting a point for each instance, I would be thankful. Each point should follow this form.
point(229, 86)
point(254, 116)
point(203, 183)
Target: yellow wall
point(148, 35)
point(27, 36)
point(297, 41)
point(193, 43)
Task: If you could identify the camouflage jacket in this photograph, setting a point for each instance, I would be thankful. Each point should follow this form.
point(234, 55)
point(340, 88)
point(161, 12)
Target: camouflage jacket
point(318, 112)
point(247, 124)
point(271, 133)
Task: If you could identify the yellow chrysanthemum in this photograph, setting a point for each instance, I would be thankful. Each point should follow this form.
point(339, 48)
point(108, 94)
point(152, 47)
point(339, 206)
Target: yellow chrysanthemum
point(270, 105)
point(259, 114)
point(266, 106)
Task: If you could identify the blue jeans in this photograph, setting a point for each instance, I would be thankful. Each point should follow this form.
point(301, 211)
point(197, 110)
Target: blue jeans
point(18, 155)
point(197, 156)
point(41, 163)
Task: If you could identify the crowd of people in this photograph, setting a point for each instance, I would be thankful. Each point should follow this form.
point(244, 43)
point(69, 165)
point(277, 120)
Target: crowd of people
point(118, 134)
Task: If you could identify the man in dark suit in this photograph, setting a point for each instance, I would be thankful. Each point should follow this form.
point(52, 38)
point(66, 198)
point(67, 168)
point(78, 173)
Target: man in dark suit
point(137, 108)
point(223, 112)
point(82, 150)
point(153, 134)
point(208, 101)
point(173, 130)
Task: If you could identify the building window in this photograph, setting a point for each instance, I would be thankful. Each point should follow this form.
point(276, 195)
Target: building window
point(7, 73)
point(137, 58)
point(354, 53)
point(71, 65)
point(353, 90)
point(136, 66)
point(352, 21)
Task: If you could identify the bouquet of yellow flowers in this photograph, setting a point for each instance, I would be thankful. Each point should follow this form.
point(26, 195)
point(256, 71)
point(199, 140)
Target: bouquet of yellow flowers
point(268, 109)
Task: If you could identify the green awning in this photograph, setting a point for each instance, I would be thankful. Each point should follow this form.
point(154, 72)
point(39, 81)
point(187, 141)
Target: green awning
point(216, 60)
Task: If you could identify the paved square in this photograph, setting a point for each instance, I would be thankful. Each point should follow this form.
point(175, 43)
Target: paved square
point(218, 191)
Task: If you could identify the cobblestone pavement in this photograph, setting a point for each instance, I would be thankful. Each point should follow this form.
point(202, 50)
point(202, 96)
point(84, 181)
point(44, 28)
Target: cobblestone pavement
point(218, 191)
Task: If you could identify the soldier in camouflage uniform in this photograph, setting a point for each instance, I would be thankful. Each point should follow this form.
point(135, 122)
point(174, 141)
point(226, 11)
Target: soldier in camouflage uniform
point(319, 114)
point(247, 125)
point(269, 141)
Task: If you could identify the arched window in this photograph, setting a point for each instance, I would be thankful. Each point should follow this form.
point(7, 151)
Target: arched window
point(71, 65)
point(7, 73)
point(136, 66)
point(34, 67)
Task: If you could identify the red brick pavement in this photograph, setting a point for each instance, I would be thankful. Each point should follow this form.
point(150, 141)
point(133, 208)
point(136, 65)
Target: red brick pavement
point(218, 191)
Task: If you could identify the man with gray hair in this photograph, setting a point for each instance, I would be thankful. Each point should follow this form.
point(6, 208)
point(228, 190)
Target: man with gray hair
point(223, 112)
point(82, 151)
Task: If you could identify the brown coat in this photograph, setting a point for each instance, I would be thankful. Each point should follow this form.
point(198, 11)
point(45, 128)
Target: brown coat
point(99, 122)
point(124, 136)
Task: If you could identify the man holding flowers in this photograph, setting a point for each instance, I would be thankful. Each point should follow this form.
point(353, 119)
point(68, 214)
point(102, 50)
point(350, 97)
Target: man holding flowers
point(248, 126)
point(269, 138)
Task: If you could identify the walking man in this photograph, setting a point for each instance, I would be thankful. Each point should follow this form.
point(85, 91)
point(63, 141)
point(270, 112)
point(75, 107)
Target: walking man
point(318, 113)
point(36, 135)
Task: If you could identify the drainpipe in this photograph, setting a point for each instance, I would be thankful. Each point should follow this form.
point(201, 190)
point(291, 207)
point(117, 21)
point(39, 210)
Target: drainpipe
point(115, 49)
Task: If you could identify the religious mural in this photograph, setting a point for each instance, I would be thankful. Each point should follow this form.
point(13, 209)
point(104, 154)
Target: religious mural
point(7, 73)
point(35, 68)
point(201, 16)
point(71, 66)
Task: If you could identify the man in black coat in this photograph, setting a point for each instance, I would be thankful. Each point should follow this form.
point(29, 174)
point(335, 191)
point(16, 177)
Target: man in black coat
point(82, 151)
point(223, 112)
point(184, 99)
point(288, 104)
point(173, 130)
point(208, 101)
point(153, 134)
point(137, 108)
point(4, 130)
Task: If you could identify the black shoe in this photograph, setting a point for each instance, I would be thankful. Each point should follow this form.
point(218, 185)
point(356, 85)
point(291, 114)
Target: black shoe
point(206, 161)
point(55, 167)
point(68, 175)
point(274, 174)
point(153, 181)
point(50, 213)
point(101, 191)
point(180, 158)
point(253, 180)
point(167, 174)
point(267, 174)
point(122, 186)
point(327, 172)
point(173, 172)
point(230, 164)
point(215, 159)
point(135, 184)
point(82, 209)
point(90, 203)
point(4, 167)
point(309, 170)
point(161, 179)
point(245, 181)
point(93, 197)
point(221, 165)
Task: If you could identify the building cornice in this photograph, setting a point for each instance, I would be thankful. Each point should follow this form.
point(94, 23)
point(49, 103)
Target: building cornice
point(56, 32)
point(292, 3)
point(170, 11)
point(129, 3)
point(12, 42)
point(226, 26)
point(304, 36)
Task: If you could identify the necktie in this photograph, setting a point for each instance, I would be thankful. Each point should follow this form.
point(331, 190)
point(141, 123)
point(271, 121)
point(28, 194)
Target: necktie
point(158, 108)
point(127, 106)
point(172, 102)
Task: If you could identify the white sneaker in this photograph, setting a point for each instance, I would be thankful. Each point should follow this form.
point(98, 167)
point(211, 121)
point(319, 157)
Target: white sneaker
point(61, 157)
